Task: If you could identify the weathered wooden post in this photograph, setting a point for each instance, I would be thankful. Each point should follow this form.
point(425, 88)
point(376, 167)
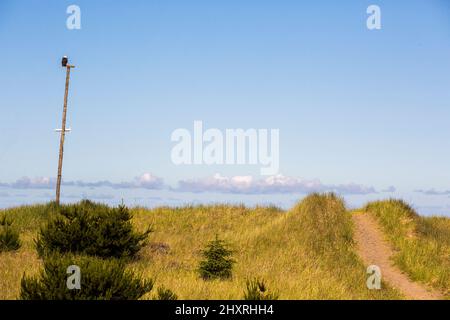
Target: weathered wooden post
point(63, 129)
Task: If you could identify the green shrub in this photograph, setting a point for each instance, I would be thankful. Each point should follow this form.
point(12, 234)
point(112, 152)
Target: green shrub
point(257, 290)
point(165, 294)
point(217, 263)
point(91, 229)
point(9, 239)
point(100, 280)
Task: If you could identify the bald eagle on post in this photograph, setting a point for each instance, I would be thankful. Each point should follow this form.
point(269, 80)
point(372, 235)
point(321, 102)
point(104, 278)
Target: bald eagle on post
point(64, 61)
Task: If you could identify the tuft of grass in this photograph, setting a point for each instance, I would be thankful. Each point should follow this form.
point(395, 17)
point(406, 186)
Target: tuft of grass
point(256, 290)
point(9, 236)
point(165, 294)
point(9, 239)
point(422, 243)
point(5, 221)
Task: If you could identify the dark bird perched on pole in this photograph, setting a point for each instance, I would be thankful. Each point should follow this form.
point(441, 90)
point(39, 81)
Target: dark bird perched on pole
point(64, 61)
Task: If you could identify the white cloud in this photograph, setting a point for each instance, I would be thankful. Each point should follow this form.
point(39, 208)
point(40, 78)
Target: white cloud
point(278, 184)
point(31, 183)
point(270, 185)
point(145, 181)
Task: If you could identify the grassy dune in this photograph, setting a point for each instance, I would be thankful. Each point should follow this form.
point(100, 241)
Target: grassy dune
point(307, 252)
point(422, 243)
point(299, 256)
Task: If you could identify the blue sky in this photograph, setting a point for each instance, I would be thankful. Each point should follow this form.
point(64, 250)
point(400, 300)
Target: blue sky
point(354, 106)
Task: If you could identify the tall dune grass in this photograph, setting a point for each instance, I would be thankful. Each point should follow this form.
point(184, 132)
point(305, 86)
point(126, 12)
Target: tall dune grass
point(422, 243)
point(304, 253)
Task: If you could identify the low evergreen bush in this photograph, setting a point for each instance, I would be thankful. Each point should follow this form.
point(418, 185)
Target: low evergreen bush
point(100, 279)
point(91, 229)
point(217, 263)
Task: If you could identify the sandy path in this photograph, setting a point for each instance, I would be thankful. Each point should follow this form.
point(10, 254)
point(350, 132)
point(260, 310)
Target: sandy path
point(374, 250)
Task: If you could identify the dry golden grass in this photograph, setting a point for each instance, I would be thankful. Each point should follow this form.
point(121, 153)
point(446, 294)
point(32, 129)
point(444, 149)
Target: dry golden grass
point(269, 243)
point(422, 243)
point(304, 253)
point(14, 264)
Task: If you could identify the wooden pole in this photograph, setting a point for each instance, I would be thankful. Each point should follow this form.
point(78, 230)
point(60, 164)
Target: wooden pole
point(63, 134)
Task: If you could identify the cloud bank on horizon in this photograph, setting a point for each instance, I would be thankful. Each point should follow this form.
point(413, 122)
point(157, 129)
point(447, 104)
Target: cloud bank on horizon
point(433, 192)
point(145, 181)
point(278, 184)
